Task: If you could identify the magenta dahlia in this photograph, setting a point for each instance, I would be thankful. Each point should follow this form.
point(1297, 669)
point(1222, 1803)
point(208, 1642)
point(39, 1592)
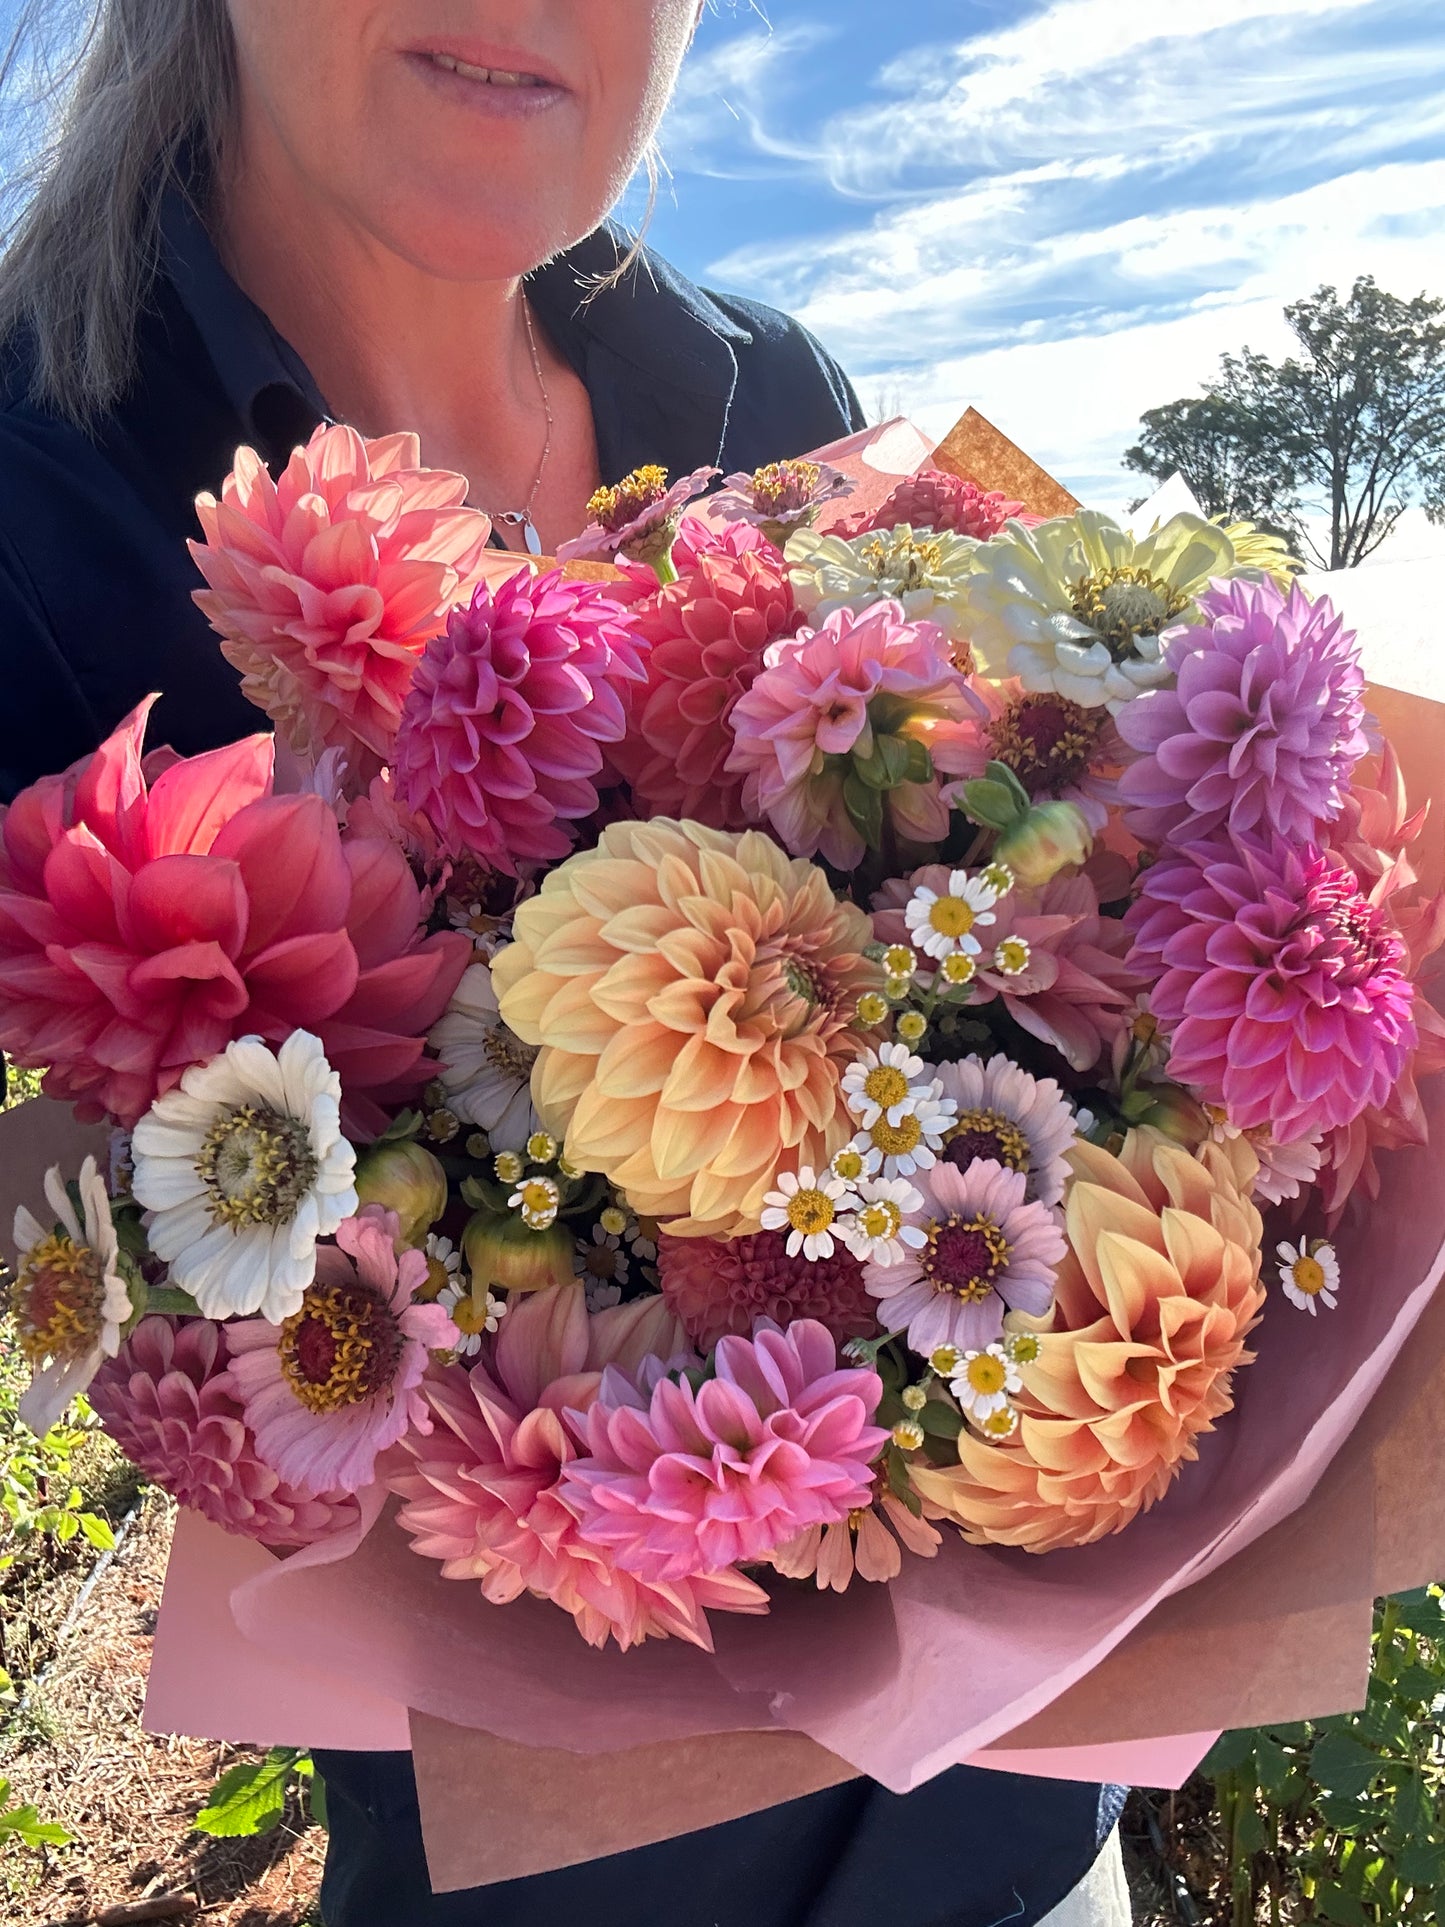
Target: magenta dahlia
point(501, 737)
point(934, 499)
point(1263, 727)
point(168, 1403)
point(1282, 987)
point(717, 1286)
point(682, 1481)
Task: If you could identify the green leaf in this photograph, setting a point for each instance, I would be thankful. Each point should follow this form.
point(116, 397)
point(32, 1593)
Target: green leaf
point(250, 1797)
point(920, 762)
point(25, 1824)
point(1334, 1904)
point(66, 1527)
point(941, 1421)
point(1419, 1685)
point(97, 1531)
point(1343, 1765)
point(1229, 1752)
point(989, 805)
point(865, 807)
point(1422, 1863)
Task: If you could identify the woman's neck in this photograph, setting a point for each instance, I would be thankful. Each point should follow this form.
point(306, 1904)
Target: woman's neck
point(391, 346)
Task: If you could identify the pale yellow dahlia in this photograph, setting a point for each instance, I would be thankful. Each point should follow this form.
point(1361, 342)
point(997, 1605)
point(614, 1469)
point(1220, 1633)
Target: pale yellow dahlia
point(1153, 1304)
point(695, 996)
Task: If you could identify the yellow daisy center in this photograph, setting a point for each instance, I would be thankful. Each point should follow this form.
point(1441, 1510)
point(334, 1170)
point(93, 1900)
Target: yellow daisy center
point(945, 1360)
point(881, 1220)
point(951, 917)
point(897, 1140)
point(341, 1348)
point(886, 1086)
point(1308, 1275)
point(538, 1198)
point(1000, 1425)
point(436, 1282)
point(959, 970)
point(898, 960)
point(810, 1211)
point(1012, 956)
point(257, 1166)
point(469, 1315)
point(872, 1008)
point(1024, 1347)
point(58, 1299)
point(848, 1165)
point(986, 1374)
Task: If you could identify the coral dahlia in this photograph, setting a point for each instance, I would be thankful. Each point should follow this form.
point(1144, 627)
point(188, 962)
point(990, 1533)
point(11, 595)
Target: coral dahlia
point(1262, 728)
point(1281, 986)
point(326, 585)
point(717, 1286)
point(680, 1482)
point(500, 738)
point(695, 996)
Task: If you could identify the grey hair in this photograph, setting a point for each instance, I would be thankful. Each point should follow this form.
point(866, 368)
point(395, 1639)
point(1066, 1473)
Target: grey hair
point(132, 87)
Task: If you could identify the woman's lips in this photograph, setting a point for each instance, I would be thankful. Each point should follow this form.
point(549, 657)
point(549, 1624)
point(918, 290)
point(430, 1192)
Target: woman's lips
point(506, 92)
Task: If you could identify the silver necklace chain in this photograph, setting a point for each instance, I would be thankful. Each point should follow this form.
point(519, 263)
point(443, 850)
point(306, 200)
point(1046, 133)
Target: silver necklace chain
point(522, 518)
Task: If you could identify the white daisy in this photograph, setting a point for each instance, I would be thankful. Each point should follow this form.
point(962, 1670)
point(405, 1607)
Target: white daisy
point(807, 1207)
point(913, 1144)
point(69, 1298)
point(1000, 1425)
point(1310, 1274)
point(538, 1200)
point(876, 1232)
point(983, 1381)
point(942, 926)
point(474, 1311)
point(486, 1070)
point(883, 1083)
point(241, 1170)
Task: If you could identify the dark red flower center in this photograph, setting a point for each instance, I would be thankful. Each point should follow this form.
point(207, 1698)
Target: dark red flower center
point(1048, 742)
point(341, 1348)
point(966, 1256)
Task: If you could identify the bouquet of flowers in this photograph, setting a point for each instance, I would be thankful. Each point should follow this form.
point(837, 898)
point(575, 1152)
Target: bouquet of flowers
point(795, 1038)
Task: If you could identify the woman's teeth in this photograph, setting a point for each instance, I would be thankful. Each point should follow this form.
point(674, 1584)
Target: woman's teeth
point(492, 76)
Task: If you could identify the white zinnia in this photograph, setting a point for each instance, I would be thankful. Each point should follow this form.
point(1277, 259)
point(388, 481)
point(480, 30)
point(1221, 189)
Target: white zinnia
point(70, 1301)
point(241, 1170)
point(486, 1070)
point(925, 571)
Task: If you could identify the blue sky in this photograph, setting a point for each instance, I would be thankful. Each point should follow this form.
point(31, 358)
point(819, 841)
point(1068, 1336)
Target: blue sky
point(1061, 211)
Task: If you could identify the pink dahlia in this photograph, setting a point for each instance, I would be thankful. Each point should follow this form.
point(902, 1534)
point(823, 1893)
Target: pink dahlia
point(500, 738)
point(638, 519)
point(1282, 987)
point(482, 1491)
point(717, 1286)
point(1076, 988)
point(990, 1250)
point(1262, 728)
point(167, 1402)
point(934, 499)
point(871, 692)
point(147, 920)
point(861, 1544)
point(326, 585)
point(681, 1480)
point(705, 637)
point(329, 1390)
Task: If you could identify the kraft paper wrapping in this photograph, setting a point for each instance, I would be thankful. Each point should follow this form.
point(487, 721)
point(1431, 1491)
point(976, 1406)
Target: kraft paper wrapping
point(981, 453)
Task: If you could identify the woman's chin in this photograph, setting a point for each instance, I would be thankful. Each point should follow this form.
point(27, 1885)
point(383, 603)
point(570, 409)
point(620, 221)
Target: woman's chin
point(488, 235)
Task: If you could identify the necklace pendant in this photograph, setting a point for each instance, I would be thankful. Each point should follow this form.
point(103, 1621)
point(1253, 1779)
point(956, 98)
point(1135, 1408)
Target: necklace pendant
point(530, 536)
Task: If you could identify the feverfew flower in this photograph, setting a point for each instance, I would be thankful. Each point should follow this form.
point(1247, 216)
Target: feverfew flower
point(877, 1231)
point(443, 1267)
point(69, 1299)
point(883, 1083)
point(241, 1169)
point(807, 1207)
point(984, 1381)
point(601, 1263)
point(942, 924)
point(538, 1200)
point(1013, 956)
point(1000, 1425)
point(912, 1144)
point(474, 1311)
point(1310, 1274)
point(486, 1070)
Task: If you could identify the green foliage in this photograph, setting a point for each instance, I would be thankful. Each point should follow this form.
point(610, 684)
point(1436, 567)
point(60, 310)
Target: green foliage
point(1349, 1813)
point(39, 1496)
point(1351, 428)
point(24, 1825)
point(250, 1797)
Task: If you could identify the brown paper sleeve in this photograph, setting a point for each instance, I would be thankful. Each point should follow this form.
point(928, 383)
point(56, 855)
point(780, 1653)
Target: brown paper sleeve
point(974, 449)
point(34, 1136)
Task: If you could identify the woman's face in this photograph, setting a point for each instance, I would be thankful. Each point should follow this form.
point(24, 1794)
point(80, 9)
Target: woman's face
point(475, 138)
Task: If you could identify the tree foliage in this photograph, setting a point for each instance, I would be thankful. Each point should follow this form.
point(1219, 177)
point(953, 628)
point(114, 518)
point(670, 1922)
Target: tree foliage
point(1346, 433)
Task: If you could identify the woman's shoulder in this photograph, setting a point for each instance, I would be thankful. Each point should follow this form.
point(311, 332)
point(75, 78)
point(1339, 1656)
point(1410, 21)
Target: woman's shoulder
point(783, 357)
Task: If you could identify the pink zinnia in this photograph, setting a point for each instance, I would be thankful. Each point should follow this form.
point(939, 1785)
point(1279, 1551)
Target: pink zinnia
point(329, 1390)
point(781, 497)
point(167, 1402)
point(1262, 729)
point(990, 1250)
point(638, 519)
point(1282, 987)
point(705, 637)
point(826, 698)
point(934, 499)
point(1075, 990)
point(326, 585)
point(717, 1286)
point(682, 1481)
point(1057, 749)
point(500, 739)
point(147, 920)
point(482, 1491)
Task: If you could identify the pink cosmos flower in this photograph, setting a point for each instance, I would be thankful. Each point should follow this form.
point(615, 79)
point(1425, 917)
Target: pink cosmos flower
point(329, 1390)
point(500, 738)
point(1076, 989)
point(1281, 986)
point(717, 1286)
point(990, 1250)
point(326, 585)
point(150, 914)
point(705, 638)
point(825, 698)
point(168, 1403)
point(482, 1491)
point(1263, 727)
point(934, 499)
point(681, 1481)
point(638, 519)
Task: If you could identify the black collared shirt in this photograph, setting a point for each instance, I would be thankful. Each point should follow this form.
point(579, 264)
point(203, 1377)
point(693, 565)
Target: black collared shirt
point(95, 579)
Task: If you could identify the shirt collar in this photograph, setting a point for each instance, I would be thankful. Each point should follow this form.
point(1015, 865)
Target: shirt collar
point(653, 330)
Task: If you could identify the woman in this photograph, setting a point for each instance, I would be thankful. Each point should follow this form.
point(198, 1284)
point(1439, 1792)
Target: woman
point(392, 212)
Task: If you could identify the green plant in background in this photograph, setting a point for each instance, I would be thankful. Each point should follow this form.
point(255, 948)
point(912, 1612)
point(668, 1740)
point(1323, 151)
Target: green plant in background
point(250, 1797)
point(23, 1826)
point(1349, 1813)
point(38, 1492)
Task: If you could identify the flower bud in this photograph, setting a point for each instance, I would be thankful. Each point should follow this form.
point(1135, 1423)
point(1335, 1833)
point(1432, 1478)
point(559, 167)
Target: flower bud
point(1047, 840)
point(405, 1178)
point(505, 1254)
point(1166, 1108)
